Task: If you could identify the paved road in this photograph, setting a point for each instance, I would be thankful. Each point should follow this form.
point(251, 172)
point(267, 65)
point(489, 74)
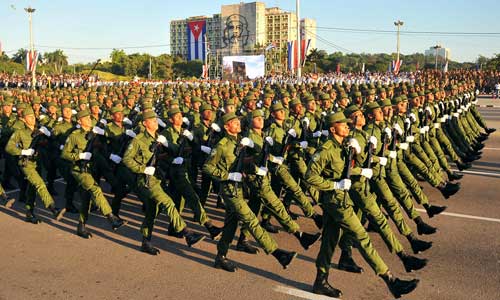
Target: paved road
point(48, 261)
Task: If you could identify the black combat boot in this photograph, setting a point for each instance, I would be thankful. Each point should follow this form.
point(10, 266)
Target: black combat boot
point(454, 175)
point(322, 287)
point(172, 232)
point(6, 201)
point(192, 237)
point(31, 218)
point(115, 221)
point(418, 245)
point(82, 231)
point(284, 257)
point(58, 213)
point(214, 231)
point(463, 165)
point(434, 210)
point(346, 263)
point(424, 228)
point(448, 189)
point(399, 287)
point(411, 263)
point(244, 246)
point(490, 130)
point(221, 262)
point(147, 247)
point(306, 239)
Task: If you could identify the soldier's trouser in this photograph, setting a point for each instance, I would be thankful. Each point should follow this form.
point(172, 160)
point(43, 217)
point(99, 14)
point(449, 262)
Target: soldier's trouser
point(36, 186)
point(237, 210)
point(152, 196)
point(2, 191)
point(432, 146)
point(335, 218)
point(446, 145)
point(390, 204)
point(282, 177)
point(262, 194)
point(409, 180)
point(399, 189)
point(126, 182)
point(430, 161)
point(87, 183)
point(427, 173)
point(479, 118)
point(183, 191)
point(365, 200)
point(71, 184)
point(298, 169)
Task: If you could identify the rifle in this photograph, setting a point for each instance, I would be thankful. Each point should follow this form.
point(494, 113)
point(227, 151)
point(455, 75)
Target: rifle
point(350, 156)
point(155, 148)
point(90, 73)
point(36, 137)
point(240, 154)
point(371, 150)
point(91, 138)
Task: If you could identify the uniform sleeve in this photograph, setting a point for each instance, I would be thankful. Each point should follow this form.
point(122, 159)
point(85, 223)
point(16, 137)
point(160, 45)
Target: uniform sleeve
point(211, 165)
point(130, 154)
point(67, 152)
point(313, 174)
point(11, 147)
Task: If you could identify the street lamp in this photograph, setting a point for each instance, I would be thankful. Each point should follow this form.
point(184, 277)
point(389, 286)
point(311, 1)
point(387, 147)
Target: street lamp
point(398, 24)
point(30, 12)
point(436, 54)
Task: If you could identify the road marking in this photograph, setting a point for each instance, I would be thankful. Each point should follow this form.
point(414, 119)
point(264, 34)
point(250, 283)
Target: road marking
point(479, 173)
point(465, 216)
point(487, 148)
point(301, 293)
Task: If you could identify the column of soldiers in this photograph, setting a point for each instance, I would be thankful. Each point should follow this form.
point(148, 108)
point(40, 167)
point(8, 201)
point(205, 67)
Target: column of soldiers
point(339, 152)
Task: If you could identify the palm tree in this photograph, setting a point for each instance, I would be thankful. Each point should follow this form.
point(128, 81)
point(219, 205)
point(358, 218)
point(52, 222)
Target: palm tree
point(56, 58)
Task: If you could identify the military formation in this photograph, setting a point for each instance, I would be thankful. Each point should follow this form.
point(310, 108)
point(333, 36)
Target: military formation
point(349, 155)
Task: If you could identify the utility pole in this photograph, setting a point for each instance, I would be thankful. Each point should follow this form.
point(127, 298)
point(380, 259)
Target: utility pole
point(30, 12)
point(299, 67)
point(398, 24)
point(149, 74)
point(436, 54)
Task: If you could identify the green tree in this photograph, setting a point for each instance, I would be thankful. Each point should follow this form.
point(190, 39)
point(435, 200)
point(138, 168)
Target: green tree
point(57, 59)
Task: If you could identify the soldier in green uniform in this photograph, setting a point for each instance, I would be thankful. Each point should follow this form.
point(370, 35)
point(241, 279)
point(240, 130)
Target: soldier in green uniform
point(77, 151)
point(327, 172)
point(138, 158)
point(223, 165)
point(23, 144)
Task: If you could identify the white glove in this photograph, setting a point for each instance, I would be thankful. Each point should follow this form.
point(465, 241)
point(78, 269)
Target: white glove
point(388, 131)
point(44, 130)
point(85, 155)
point(178, 160)
point(413, 117)
point(161, 123)
point(276, 159)
point(247, 142)
point(61, 147)
point(261, 171)
point(316, 134)
point(383, 160)
point(398, 129)
point(325, 132)
point(185, 120)
point(292, 132)
point(344, 184)
point(306, 121)
point(98, 130)
point(303, 144)
point(104, 122)
point(215, 127)
point(60, 119)
point(368, 173)
point(127, 121)
point(149, 171)
point(27, 152)
point(188, 134)
point(115, 158)
point(162, 140)
point(393, 154)
point(206, 149)
point(407, 121)
point(73, 112)
point(437, 125)
point(137, 109)
point(410, 139)
point(427, 108)
point(130, 133)
point(422, 130)
point(403, 146)
point(455, 115)
point(235, 176)
point(269, 140)
point(42, 117)
point(353, 143)
point(373, 140)
point(426, 128)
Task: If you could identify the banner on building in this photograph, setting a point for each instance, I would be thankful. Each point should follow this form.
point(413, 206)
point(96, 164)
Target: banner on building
point(243, 67)
point(196, 35)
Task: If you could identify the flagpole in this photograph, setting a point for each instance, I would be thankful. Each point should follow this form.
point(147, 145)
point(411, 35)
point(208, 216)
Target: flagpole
point(30, 12)
point(299, 44)
point(398, 24)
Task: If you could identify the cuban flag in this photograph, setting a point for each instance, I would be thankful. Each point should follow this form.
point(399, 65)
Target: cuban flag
point(31, 60)
point(196, 31)
point(293, 60)
point(396, 64)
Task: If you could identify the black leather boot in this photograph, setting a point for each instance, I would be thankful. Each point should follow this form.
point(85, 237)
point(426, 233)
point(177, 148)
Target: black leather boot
point(244, 246)
point(322, 287)
point(115, 221)
point(284, 257)
point(418, 245)
point(147, 247)
point(82, 231)
point(306, 239)
point(221, 262)
point(399, 287)
point(411, 263)
point(424, 228)
point(346, 263)
point(434, 210)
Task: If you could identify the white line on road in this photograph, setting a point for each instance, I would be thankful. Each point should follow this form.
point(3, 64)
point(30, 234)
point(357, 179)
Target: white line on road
point(487, 148)
point(301, 293)
point(465, 216)
point(480, 173)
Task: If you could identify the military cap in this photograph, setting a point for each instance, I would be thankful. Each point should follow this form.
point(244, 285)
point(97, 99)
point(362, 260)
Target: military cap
point(66, 106)
point(413, 95)
point(249, 98)
point(396, 100)
point(173, 111)
point(148, 115)
point(147, 105)
point(257, 113)
point(337, 117)
point(229, 102)
point(37, 100)
point(357, 94)
point(21, 105)
point(370, 107)
point(116, 109)
point(196, 99)
point(295, 102)
point(52, 103)
point(325, 96)
point(277, 106)
point(8, 101)
point(351, 109)
point(371, 92)
point(94, 103)
point(28, 111)
point(228, 117)
point(82, 113)
point(206, 106)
